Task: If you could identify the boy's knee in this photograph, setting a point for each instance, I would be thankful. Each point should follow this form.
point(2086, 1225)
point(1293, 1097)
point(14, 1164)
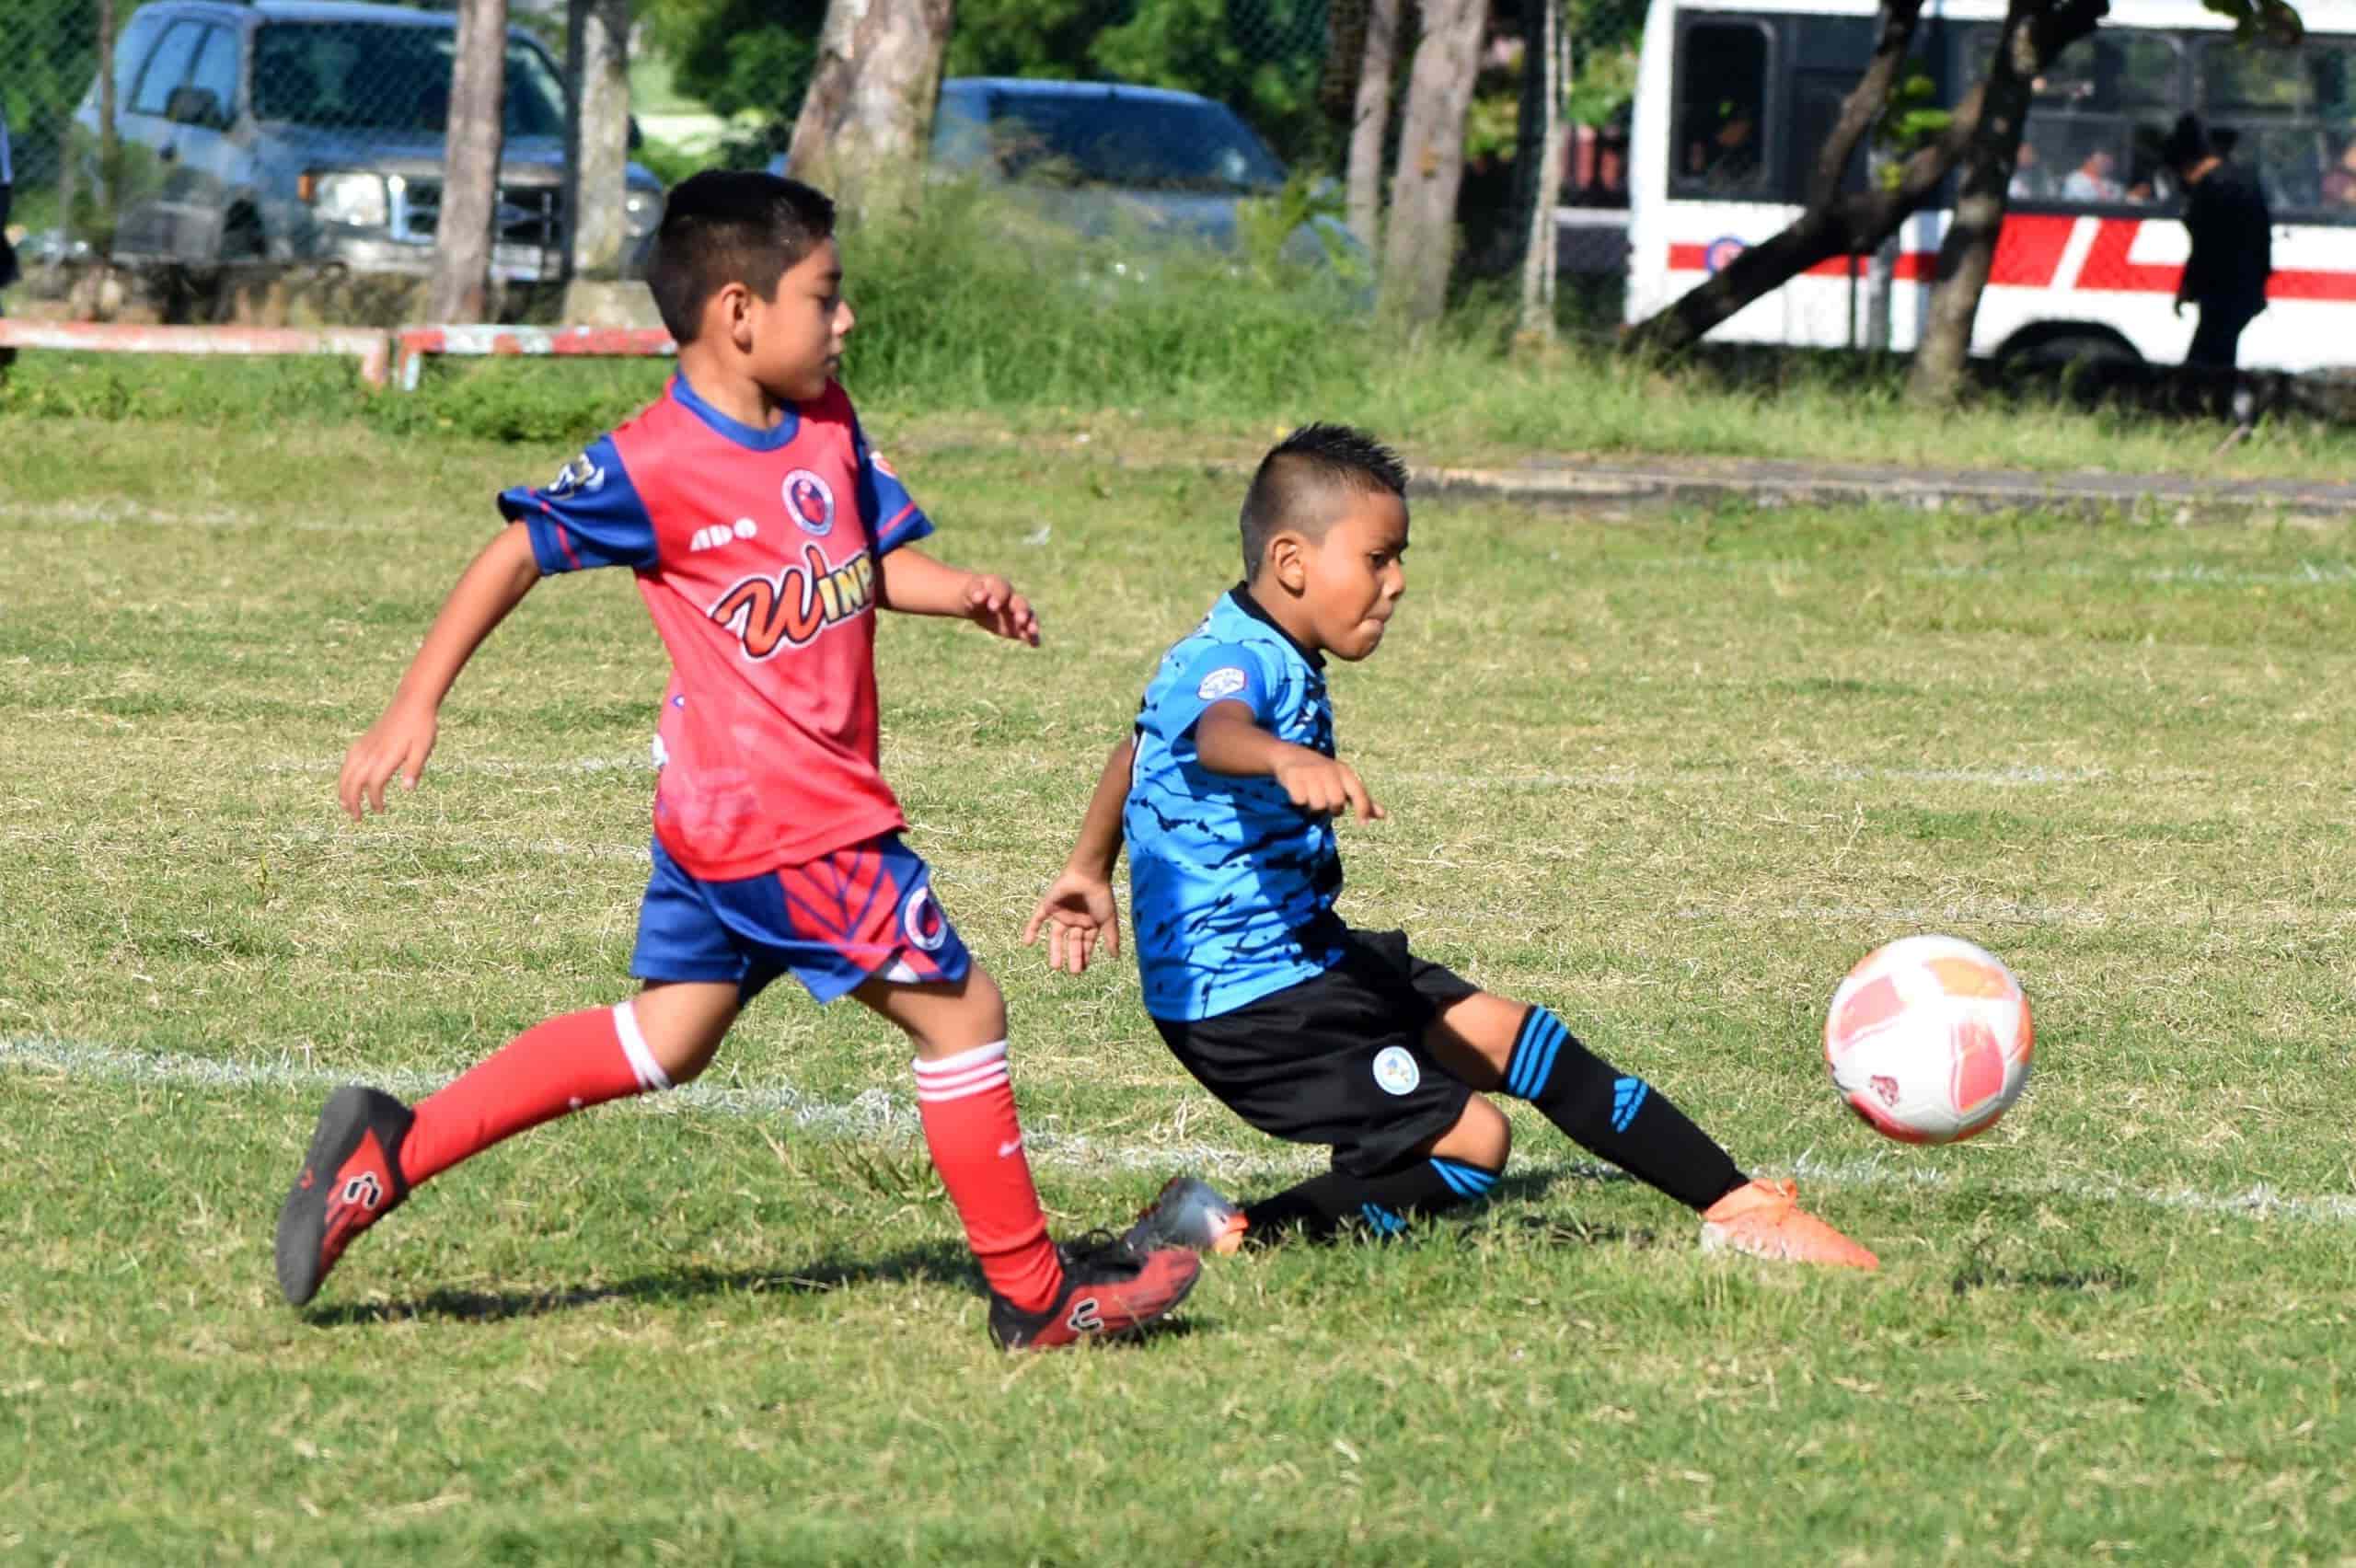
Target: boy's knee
point(1482, 1137)
point(680, 1026)
point(943, 1019)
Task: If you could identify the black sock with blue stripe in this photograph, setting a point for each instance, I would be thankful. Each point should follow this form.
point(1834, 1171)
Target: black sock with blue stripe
point(1624, 1119)
point(1324, 1206)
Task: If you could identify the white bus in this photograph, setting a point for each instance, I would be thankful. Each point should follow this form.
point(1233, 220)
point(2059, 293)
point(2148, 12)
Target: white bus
point(1735, 98)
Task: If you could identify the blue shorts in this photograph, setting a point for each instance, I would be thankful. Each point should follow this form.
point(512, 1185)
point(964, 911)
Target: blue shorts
point(830, 922)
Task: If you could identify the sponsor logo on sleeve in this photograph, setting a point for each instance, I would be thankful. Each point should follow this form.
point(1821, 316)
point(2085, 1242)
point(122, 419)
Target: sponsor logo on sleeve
point(1220, 684)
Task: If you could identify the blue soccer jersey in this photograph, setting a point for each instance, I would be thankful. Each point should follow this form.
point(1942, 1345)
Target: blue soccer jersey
point(1231, 886)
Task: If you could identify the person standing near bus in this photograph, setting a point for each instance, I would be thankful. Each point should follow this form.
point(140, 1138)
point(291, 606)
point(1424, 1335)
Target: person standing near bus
point(2233, 245)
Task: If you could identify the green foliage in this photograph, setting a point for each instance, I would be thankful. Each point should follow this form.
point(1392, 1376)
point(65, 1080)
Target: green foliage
point(1603, 83)
point(2274, 22)
point(1262, 58)
point(48, 55)
point(741, 56)
point(1911, 119)
point(1047, 39)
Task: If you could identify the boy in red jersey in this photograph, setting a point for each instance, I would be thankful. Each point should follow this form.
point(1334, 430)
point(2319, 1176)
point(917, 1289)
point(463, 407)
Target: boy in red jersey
point(765, 534)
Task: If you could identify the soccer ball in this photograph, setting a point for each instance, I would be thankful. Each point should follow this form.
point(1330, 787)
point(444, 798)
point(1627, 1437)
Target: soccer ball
point(1929, 1039)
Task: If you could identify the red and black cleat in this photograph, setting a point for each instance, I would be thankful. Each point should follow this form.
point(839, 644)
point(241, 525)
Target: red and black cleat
point(351, 1178)
point(1110, 1289)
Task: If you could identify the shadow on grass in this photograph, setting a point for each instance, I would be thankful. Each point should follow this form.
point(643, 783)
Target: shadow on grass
point(941, 1263)
point(935, 1263)
point(2100, 1277)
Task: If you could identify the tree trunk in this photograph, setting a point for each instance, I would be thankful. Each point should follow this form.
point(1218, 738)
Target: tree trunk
point(1538, 162)
point(1420, 247)
point(1372, 122)
point(109, 180)
point(598, 65)
point(2032, 35)
point(867, 118)
point(462, 237)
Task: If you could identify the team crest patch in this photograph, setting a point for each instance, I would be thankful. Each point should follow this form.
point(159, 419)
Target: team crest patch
point(1220, 683)
point(809, 502)
point(1395, 1071)
point(582, 474)
point(921, 919)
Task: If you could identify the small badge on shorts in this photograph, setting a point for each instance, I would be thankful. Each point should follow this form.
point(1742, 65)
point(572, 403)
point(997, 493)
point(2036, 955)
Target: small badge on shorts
point(923, 922)
point(1395, 1070)
point(1220, 683)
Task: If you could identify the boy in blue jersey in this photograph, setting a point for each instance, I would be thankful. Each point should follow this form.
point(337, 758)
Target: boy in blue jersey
point(1305, 1028)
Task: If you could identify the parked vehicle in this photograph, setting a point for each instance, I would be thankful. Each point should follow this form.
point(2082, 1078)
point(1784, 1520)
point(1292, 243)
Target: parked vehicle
point(1103, 158)
point(312, 130)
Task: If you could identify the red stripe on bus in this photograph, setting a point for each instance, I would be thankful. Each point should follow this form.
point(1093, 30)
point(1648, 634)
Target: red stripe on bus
point(2312, 285)
point(2107, 269)
point(2028, 256)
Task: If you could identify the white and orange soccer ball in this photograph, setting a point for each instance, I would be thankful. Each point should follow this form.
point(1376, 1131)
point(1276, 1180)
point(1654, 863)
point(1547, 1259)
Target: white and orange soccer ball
point(1929, 1039)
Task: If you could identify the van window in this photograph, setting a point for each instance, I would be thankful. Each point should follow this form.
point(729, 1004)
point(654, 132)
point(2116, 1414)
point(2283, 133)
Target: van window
point(1721, 110)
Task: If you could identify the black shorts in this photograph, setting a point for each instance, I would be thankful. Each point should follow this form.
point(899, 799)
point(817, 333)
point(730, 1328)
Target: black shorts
point(1338, 1059)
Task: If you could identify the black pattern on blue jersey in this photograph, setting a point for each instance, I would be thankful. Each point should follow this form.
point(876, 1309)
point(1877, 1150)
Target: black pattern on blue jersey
point(1233, 886)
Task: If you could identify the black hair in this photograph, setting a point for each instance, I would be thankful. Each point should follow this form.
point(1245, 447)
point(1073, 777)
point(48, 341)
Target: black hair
point(1302, 471)
point(2187, 143)
point(728, 226)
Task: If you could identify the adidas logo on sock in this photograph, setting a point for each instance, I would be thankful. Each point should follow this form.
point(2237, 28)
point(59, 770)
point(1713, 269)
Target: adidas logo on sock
point(1627, 1098)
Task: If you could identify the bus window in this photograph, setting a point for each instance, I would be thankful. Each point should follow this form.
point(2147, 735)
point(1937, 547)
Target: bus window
point(2285, 115)
point(2096, 118)
point(1721, 110)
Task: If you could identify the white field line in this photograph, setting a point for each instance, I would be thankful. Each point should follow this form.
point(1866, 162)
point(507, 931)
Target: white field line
point(881, 1114)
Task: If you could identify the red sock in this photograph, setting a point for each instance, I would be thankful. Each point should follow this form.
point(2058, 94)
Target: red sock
point(967, 1103)
point(580, 1059)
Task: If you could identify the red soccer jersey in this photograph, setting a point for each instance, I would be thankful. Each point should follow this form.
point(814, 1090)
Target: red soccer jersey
point(757, 552)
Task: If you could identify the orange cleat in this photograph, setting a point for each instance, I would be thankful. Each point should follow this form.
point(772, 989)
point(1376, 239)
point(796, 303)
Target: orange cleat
point(1765, 1220)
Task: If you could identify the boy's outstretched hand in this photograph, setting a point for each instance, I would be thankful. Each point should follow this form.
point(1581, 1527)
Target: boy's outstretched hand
point(1323, 787)
point(992, 603)
point(1078, 912)
point(396, 744)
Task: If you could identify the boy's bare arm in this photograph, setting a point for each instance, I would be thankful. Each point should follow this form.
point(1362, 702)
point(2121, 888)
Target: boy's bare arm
point(914, 584)
point(400, 741)
point(1229, 740)
point(1077, 908)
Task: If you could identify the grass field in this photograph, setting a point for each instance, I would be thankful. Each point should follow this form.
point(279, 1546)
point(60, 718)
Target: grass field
point(1670, 774)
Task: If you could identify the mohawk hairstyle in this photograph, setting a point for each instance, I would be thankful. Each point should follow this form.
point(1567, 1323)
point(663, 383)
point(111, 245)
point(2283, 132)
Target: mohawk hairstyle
point(728, 226)
point(1298, 481)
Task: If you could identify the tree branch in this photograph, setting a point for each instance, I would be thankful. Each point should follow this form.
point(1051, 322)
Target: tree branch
point(1865, 101)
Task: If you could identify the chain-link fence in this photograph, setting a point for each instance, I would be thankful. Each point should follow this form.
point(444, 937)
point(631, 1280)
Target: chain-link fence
point(204, 139)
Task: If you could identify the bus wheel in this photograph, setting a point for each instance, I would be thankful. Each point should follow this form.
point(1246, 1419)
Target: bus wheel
point(2063, 348)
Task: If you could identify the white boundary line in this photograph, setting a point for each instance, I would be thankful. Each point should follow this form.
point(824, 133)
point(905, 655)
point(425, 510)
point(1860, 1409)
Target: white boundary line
point(880, 1114)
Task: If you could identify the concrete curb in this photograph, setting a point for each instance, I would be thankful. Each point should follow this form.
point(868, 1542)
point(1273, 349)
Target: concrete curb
point(1669, 482)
